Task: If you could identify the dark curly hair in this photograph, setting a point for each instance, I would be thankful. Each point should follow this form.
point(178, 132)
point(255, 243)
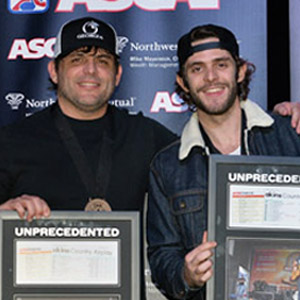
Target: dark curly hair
point(243, 88)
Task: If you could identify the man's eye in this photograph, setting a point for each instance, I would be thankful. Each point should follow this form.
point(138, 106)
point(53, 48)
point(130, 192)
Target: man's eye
point(103, 61)
point(76, 59)
point(196, 69)
point(222, 65)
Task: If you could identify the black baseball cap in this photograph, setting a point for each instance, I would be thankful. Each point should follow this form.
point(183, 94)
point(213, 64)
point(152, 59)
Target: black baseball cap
point(227, 41)
point(85, 32)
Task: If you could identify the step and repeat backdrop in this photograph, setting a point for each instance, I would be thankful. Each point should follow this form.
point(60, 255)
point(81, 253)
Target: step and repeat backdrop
point(148, 31)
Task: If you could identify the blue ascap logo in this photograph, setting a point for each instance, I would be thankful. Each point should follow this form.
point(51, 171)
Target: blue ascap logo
point(28, 6)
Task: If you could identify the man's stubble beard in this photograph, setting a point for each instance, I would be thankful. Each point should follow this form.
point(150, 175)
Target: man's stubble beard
point(197, 101)
point(81, 104)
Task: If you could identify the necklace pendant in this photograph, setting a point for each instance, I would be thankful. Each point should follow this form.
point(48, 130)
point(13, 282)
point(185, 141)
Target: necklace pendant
point(97, 204)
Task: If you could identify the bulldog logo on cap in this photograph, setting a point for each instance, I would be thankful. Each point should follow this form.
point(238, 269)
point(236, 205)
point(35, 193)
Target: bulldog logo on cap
point(90, 30)
point(90, 27)
point(85, 32)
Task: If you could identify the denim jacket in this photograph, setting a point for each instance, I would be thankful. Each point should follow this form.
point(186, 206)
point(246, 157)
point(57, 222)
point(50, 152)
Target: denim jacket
point(177, 208)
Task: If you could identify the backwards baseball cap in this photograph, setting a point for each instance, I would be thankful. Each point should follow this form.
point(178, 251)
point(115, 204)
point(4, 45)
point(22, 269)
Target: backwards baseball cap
point(227, 41)
point(85, 32)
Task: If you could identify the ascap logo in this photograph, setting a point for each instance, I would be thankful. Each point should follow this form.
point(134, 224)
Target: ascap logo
point(168, 103)
point(28, 6)
point(90, 30)
point(38, 48)
point(121, 5)
point(41, 6)
point(14, 100)
point(34, 49)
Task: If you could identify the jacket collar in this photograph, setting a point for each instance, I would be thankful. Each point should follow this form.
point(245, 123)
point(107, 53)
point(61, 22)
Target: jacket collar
point(191, 135)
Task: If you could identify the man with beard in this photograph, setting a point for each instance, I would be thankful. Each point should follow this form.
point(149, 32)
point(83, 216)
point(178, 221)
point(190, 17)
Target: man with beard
point(215, 81)
point(81, 153)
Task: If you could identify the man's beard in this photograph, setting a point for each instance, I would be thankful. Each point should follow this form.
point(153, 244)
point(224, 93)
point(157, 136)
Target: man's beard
point(220, 110)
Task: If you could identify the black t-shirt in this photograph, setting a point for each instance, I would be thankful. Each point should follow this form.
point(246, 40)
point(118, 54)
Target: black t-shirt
point(35, 161)
point(89, 135)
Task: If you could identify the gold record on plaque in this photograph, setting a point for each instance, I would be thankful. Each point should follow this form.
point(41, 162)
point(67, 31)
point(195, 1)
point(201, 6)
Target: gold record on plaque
point(97, 204)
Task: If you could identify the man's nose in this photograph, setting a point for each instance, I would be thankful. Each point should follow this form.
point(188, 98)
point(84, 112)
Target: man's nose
point(90, 66)
point(211, 74)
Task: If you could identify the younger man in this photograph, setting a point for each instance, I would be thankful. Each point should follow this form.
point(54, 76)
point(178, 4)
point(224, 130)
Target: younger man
point(215, 81)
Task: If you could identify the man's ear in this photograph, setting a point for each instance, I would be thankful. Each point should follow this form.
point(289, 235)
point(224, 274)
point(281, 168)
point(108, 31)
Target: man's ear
point(180, 82)
point(119, 75)
point(242, 72)
point(52, 71)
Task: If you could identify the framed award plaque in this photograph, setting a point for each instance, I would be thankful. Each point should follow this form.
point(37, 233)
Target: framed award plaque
point(254, 216)
point(70, 256)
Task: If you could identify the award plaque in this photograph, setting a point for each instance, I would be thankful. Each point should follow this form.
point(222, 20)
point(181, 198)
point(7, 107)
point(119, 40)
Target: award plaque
point(254, 216)
point(70, 256)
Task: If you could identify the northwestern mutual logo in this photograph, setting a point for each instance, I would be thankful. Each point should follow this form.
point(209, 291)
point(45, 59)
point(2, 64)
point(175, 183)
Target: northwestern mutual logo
point(28, 6)
point(14, 100)
point(122, 42)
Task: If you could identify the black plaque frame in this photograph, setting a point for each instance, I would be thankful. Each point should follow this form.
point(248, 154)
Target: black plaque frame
point(126, 224)
point(239, 246)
